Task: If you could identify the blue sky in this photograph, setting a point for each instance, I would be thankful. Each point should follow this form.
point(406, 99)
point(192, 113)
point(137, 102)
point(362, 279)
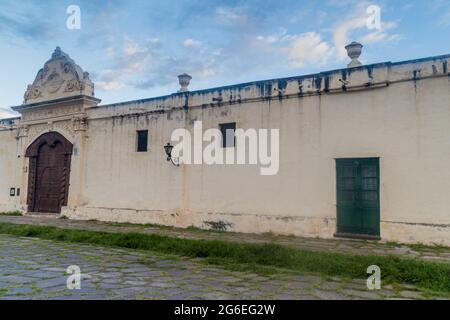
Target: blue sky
point(135, 49)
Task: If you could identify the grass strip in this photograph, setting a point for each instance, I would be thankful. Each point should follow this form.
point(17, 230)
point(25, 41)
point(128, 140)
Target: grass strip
point(11, 213)
point(429, 275)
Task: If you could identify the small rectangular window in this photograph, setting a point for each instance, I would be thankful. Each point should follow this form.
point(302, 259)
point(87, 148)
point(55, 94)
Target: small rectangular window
point(228, 134)
point(142, 141)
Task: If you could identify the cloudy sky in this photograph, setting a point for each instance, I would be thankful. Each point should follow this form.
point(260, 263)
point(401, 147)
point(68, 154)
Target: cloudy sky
point(135, 48)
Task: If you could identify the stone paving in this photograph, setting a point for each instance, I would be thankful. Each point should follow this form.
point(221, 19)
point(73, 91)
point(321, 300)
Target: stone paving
point(36, 269)
point(335, 245)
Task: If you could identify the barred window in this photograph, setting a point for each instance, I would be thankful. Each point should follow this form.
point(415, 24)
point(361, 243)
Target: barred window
point(228, 134)
point(142, 141)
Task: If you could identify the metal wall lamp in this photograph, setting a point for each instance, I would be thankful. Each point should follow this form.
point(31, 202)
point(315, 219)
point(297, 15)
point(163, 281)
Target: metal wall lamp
point(168, 149)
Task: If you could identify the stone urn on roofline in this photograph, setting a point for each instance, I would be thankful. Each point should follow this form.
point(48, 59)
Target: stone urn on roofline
point(184, 80)
point(354, 50)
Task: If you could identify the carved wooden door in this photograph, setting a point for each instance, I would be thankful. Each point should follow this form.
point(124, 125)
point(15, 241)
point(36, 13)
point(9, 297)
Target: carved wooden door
point(49, 173)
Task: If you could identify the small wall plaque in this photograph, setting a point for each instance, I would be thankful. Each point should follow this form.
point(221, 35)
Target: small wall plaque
point(12, 192)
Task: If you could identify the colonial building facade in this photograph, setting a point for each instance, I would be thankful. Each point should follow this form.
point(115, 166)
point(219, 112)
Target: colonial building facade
point(364, 152)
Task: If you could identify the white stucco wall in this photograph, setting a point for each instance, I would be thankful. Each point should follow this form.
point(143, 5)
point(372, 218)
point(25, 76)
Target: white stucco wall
point(9, 169)
point(397, 112)
point(404, 123)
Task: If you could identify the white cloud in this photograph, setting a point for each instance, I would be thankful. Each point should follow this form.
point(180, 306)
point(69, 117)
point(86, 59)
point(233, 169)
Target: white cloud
point(341, 34)
point(154, 41)
point(132, 59)
point(231, 16)
point(344, 32)
point(150, 63)
point(302, 49)
point(382, 34)
point(110, 85)
point(309, 48)
point(312, 47)
point(4, 113)
point(110, 51)
point(445, 18)
point(192, 43)
point(208, 72)
point(274, 38)
point(132, 48)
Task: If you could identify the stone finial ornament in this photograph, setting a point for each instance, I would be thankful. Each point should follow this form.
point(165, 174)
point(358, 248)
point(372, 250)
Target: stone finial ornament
point(354, 50)
point(60, 77)
point(184, 80)
point(57, 53)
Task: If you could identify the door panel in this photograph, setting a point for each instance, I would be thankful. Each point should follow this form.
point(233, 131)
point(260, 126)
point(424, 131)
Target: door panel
point(358, 203)
point(51, 165)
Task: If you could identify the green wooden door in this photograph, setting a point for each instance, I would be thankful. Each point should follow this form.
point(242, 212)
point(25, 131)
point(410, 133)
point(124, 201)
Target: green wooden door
point(358, 197)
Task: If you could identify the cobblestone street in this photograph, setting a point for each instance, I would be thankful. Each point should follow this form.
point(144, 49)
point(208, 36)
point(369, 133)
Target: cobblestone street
point(36, 269)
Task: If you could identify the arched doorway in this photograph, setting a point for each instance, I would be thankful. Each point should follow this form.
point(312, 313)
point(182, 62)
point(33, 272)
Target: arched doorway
point(49, 172)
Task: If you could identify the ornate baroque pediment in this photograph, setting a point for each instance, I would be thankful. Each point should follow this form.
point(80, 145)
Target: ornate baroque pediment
point(61, 77)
